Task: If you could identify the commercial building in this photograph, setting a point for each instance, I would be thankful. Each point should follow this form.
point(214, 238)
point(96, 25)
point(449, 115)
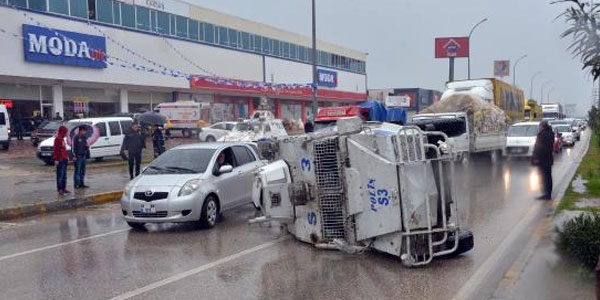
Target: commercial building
point(100, 57)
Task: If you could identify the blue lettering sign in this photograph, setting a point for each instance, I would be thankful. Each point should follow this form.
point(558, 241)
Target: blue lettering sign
point(327, 78)
point(59, 47)
point(311, 217)
point(377, 197)
point(305, 164)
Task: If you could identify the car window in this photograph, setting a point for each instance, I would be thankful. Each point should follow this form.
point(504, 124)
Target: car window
point(182, 161)
point(53, 126)
point(217, 126)
point(229, 126)
point(126, 125)
point(115, 128)
point(101, 129)
point(242, 155)
point(523, 131)
point(2, 119)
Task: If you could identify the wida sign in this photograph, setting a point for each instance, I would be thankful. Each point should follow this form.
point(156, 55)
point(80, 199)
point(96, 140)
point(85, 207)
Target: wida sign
point(451, 47)
point(327, 78)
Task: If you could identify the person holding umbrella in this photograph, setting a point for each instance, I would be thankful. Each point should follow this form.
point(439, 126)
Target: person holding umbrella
point(80, 150)
point(134, 144)
point(158, 141)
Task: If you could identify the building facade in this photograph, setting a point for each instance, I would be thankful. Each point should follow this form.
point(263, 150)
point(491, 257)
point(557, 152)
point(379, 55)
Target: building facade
point(101, 57)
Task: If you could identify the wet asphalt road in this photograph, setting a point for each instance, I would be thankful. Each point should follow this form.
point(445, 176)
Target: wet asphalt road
point(92, 254)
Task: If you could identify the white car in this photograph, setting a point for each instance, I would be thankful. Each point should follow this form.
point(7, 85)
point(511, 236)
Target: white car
point(112, 133)
point(216, 131)
point(255, 130)
point(521, 139)
point(187, 184)
point(566, 132)
point(4, 127)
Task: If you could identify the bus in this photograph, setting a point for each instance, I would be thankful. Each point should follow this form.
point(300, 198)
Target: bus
point(508, 98)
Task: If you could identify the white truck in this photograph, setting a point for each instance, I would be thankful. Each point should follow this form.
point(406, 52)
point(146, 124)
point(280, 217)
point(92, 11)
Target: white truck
point(184, 116)
point(385, 188)
point(471, 124)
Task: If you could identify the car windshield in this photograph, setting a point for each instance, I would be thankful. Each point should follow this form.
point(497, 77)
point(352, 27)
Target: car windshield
point(523, 130)
point(72, 125)
point(181, 161)
point(324, 125)
point(247, 126)
point(562, 128)
point(50, 125)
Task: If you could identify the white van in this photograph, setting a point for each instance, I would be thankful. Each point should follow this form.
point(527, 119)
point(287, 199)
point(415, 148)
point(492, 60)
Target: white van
point(4, 127)
point(112, 133)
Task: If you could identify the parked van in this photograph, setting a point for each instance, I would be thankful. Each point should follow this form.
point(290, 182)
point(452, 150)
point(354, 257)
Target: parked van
point(4, 127)
point(112, 133)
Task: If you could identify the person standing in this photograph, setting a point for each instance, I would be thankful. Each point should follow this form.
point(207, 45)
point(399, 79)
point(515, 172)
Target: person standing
point(80, 151)
point(543, 158)
point(58, 117)
point(158, 142)
point(134, 144)
point(62, 158)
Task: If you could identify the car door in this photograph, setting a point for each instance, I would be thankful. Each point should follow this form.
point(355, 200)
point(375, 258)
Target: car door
point(247, 164)
point(227, 184)
point(99, 149)
point(116, 138)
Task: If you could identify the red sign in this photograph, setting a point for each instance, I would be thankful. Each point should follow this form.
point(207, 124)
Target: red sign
point(336, 113)
point(8, 103)
point(451, 47)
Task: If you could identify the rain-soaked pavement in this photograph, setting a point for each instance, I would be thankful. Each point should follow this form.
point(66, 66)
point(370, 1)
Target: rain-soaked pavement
point(91, 253)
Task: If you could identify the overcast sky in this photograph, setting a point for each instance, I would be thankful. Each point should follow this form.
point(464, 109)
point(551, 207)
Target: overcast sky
point(399, 37)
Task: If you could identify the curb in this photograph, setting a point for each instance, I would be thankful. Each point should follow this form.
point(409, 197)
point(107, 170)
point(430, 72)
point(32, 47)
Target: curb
point(58, 205)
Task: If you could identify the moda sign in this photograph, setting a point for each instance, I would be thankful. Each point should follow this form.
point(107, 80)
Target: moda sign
point(43, 45)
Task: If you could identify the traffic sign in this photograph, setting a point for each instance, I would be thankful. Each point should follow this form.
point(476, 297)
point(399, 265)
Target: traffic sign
point(451, 47)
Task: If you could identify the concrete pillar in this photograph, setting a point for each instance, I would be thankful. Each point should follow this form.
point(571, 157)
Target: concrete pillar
point(124, 101)
point(57, 101)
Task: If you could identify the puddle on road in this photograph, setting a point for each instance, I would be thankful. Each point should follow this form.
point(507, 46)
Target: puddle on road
point(6, 225)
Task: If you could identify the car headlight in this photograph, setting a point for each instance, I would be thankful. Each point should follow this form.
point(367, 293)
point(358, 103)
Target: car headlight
point(127, 191)
point(189, 187)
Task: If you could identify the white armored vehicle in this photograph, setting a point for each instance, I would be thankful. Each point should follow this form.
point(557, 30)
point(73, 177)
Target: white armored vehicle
point(385, 187)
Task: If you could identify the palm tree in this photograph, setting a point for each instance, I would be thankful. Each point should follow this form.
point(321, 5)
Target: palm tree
point(583, 19)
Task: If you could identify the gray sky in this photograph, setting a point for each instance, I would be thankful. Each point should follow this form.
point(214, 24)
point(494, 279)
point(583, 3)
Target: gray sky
point(399, 37)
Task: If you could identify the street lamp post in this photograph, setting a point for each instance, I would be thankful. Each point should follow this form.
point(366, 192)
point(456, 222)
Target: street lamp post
point(531, 87)
point(515, 69)
point(542, 90)
point(315, 103)
point(548, 96)
point(469, 38)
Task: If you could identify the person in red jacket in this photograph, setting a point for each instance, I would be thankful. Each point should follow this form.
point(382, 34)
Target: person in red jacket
point(62, 157)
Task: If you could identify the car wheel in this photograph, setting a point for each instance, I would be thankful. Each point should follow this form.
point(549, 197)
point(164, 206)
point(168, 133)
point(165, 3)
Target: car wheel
point(137, 226)
point(210, 213)
point(186, 133)
point(99, 159)
point(210, 139)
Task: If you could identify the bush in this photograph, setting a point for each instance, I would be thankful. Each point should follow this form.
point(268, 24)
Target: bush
point(580, 239)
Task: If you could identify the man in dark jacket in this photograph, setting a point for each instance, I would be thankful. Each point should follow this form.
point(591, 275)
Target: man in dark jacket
point(158, 142)
point(542, 157)
point(80, 151)
point(134, 144)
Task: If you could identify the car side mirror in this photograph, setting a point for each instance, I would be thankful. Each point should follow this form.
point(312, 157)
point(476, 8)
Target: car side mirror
point(225, 169)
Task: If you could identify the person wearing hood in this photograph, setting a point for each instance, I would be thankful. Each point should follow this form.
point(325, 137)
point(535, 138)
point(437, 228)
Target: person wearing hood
point(62, 158)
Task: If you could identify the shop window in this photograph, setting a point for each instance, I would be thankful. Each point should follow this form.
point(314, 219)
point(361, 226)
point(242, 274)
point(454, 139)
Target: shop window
point(209, 33)
point(58, 6)
point(257, 43)
point(275, 48)
point(246, 40)
point(162, 22)
point(142, 18)
point(233, 38)
point(104, 11)
point(127, 15)
point(182, 27)
point(37, 5)
point(302, 53)
point(23, 3)
point(223, 36)
point(293, 51)
point(79, 8)
point(172, 19)
point(193, 29)
point(266, 45)
point(286, 49)
point(91, 12)
point(117, 12)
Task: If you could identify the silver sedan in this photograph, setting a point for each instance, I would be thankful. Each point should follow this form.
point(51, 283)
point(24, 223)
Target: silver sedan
point(192, 183)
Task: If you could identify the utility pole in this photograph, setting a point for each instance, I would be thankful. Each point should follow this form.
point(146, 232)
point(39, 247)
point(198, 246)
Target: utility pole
point(469, 57)
point(315, 102)
point(515, 69)
point(531, 87)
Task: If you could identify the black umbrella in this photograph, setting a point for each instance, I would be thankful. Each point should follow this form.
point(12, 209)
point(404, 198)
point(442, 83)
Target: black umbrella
point(152, 118)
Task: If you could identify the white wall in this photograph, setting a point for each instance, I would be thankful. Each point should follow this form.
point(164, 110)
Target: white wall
point(284, 71)
point(222, 62)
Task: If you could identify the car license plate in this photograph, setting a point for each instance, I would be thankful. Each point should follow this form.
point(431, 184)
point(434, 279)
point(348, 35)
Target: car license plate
point(46, 154)
point(517, 150)
point(148, 208)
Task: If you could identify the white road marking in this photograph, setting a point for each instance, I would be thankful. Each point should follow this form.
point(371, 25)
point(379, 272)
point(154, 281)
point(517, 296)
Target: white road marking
point(199, 269)
point(61, 244)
